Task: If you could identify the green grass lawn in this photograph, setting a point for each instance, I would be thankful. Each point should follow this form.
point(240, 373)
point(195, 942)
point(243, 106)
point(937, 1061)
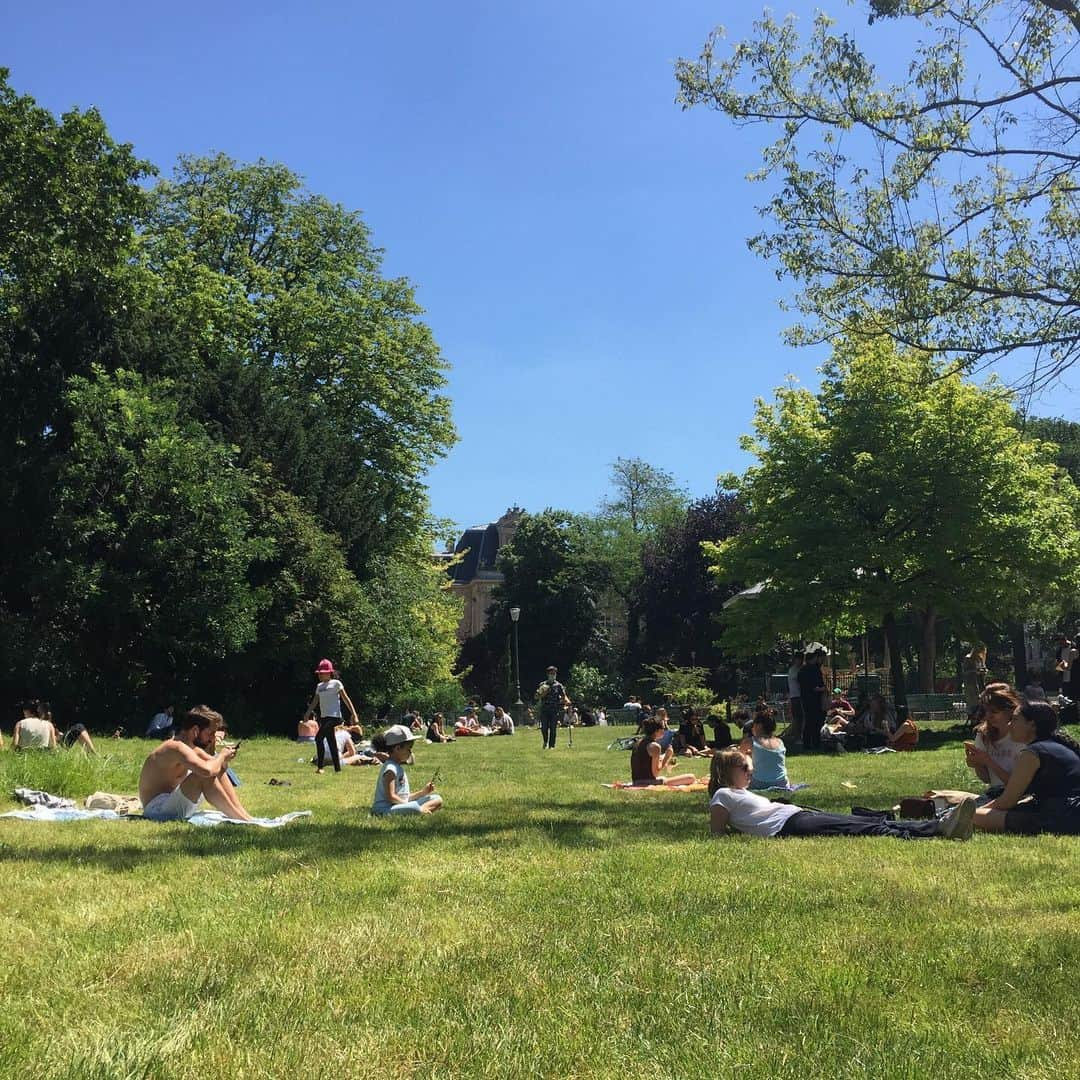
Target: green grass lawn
point(539, 926)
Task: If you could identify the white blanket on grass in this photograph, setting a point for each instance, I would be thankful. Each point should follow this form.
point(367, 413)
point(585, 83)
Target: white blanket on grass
point(216, 817)
point(52, 813)
point(206, 817)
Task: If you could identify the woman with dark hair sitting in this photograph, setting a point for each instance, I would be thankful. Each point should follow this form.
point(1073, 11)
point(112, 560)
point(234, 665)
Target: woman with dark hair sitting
point(648, 760)
point(767, 752)
point(1043, 790)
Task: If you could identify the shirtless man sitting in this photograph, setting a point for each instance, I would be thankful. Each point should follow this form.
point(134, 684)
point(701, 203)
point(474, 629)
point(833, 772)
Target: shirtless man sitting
point(181, 771)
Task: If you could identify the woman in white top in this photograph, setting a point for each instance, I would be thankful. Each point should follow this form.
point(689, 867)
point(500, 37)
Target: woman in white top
point(329, 694)
point(993, 753)
point(733, 806)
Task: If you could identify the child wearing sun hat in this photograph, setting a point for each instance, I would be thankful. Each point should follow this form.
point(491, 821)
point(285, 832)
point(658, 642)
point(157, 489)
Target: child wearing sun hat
point(392, 795)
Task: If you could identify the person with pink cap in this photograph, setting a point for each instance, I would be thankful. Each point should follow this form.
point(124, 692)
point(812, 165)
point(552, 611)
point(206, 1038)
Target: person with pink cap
point(329, 694)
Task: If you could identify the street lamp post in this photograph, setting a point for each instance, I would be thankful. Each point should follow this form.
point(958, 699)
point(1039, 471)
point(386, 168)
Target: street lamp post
point(519, 705)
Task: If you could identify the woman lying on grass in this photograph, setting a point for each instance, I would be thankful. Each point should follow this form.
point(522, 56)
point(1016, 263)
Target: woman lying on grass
point(1046, 775)
point(648, 760)
point(392, 795)
point(733, 806)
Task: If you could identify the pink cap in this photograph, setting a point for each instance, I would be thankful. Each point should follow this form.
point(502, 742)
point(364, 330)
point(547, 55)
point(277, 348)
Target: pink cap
point(325, 667)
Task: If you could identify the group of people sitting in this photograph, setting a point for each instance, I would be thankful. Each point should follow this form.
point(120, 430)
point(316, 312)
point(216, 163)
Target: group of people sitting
point(194, 764)
point(656, 750)
point(1031, 767)
point(872, 725)
point(37, 730)
point(495, 721)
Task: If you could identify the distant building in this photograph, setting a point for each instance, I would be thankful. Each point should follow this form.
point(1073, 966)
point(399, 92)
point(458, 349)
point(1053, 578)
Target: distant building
point(475, 576)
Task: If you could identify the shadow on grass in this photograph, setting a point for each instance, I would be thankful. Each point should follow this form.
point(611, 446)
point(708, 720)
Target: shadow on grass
point(929, 739)
point(588, 824)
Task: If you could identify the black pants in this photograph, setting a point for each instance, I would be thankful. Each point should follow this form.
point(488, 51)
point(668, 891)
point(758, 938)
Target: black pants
point(813, 718)
point(71, 736)
point(549, 728)
point(328, 737)
point(796, 717)
point(815, 823)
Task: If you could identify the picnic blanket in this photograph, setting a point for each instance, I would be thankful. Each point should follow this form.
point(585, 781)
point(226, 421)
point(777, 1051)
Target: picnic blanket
point(626, 785)
point(216, 817)
point(61, 813)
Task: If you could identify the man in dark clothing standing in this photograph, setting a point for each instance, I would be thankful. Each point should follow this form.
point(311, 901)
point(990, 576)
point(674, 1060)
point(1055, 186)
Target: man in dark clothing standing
point(812, 696)
point(553, 701)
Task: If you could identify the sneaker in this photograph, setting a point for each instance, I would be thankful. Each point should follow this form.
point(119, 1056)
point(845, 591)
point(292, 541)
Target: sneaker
point(958, 823)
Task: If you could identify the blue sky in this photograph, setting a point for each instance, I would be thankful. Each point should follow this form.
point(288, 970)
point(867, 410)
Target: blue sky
point(578, 243)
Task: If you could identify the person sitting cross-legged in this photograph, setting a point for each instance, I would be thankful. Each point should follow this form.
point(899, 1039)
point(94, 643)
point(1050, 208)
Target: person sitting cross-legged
point(648, 760)
point(181, 772)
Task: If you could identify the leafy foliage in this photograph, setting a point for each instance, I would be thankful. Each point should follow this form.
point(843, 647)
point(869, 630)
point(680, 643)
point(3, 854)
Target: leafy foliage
point(681, 600)
point(215, 418)
point(899, 487)
point(942, 209)
point(550, 574)
point(682, 685)
point(296, 349)
point(644, 499)
point(590, 686)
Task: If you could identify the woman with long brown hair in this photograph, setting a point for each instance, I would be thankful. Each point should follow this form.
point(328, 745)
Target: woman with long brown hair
point(1043, 792)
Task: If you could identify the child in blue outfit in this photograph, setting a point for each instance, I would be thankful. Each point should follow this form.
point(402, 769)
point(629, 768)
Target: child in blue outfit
point(392, 795)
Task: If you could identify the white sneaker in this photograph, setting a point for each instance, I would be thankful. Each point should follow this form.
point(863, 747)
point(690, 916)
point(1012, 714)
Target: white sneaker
point(958, 823)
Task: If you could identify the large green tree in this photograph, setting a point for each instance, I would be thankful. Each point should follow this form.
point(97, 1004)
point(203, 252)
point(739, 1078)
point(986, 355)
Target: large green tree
point(215, 417)
point(899, 487)
point(643, 500)
point(293, 345)
point(681, 601)
point(941, 207)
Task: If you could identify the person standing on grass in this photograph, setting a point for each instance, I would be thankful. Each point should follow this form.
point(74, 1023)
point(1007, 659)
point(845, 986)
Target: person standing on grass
point(182, 771)
point(812, 695)
point(329, 694)
point(553, 703)
point(795, 700)
point(392, 794)
point(733, 806)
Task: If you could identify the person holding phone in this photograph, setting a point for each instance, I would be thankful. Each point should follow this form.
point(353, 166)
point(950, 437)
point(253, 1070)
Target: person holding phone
point(182, 771)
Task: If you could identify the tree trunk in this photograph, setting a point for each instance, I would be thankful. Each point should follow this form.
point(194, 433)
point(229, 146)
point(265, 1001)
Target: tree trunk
point(633, 635)
point(1015, 630)
point(928, 650)
point(896, 663)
